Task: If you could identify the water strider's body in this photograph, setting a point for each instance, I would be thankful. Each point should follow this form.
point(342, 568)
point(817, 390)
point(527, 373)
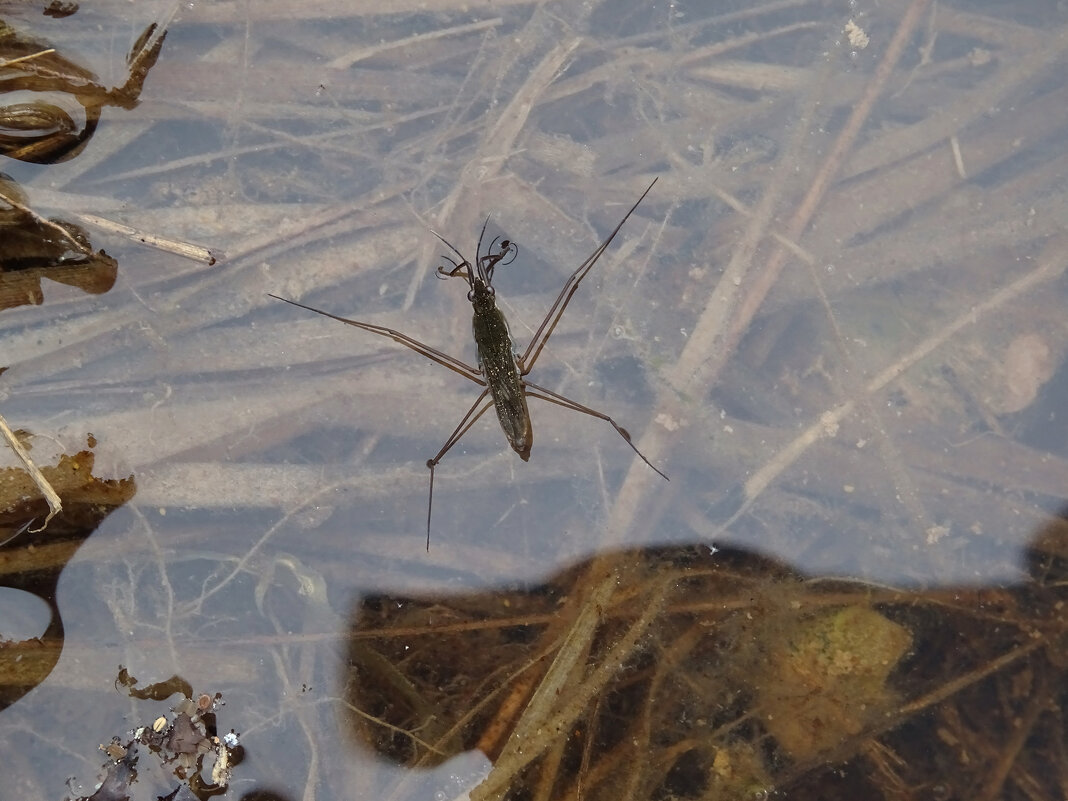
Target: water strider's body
point(501, 372)
point(500, 367)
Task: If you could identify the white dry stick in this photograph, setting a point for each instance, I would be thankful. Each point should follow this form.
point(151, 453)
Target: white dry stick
point(185, 249)
point(55, 506)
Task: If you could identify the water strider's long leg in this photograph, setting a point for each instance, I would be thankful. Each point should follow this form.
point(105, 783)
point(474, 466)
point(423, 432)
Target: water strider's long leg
point(469, 419)
point(444, 359)
point(548, 325)
point(540, 392)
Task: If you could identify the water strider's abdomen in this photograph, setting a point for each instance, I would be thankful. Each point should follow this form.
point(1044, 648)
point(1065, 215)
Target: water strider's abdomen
point(496, 359)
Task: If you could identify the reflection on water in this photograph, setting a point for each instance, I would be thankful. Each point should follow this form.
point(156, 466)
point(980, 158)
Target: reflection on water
point(32, 560)
point(66, 501)
point(837, 324)
point(681, 672)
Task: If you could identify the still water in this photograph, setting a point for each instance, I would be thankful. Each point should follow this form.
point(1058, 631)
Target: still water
point(836, 324)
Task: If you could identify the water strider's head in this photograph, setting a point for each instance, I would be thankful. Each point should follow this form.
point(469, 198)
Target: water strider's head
point(480, 277)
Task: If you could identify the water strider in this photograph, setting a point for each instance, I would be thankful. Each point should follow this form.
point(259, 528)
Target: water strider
point(501, 371)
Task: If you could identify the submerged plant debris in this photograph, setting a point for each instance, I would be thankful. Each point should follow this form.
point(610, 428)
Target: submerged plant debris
point(718, 676)
point(43, 131)
point(32, 248)
point(39, 126)
point(185, 744)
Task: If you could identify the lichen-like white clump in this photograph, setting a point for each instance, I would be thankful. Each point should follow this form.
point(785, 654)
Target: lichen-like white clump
point(857, 38)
